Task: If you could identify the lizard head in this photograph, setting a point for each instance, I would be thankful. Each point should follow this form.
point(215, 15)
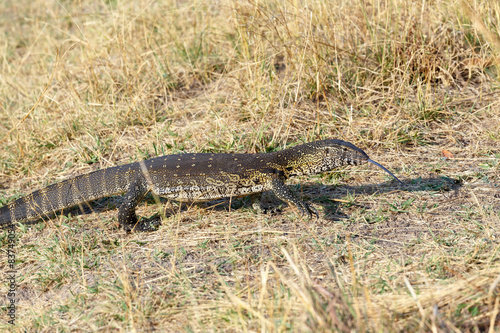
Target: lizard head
point(327, 155)
point(340, 153)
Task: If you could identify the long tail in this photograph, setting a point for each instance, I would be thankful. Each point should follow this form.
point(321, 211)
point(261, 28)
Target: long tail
point(68, 193)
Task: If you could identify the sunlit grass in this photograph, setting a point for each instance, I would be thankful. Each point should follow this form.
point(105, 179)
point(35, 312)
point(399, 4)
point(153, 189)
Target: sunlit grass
point(89, 85)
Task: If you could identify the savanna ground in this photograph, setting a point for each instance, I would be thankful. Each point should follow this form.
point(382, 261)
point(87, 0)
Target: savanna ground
point(87, 85)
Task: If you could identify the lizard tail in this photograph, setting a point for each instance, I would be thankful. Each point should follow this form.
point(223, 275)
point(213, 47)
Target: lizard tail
point(76, 191)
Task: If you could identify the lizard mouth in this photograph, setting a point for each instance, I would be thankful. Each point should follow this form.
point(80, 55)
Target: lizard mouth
point(383, 168)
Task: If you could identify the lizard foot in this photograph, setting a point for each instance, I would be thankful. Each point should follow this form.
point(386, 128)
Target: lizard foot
point(143, 226)
point(307, 209)
point(269, 210)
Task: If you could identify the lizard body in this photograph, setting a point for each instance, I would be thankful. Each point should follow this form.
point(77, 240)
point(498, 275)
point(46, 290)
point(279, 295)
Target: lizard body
point(189, 178)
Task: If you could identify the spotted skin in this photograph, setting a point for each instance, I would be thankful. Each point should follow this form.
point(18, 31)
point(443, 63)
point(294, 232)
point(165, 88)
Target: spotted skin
point(189, 178)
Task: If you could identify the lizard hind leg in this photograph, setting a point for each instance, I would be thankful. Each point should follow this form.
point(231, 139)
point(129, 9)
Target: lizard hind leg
point(259, 207)
point(126, 213)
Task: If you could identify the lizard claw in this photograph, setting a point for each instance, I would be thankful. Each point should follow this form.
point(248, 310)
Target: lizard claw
point(313, 210)
point(307, 209)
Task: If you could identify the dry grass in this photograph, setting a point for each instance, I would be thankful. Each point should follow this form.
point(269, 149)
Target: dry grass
point(91, 84)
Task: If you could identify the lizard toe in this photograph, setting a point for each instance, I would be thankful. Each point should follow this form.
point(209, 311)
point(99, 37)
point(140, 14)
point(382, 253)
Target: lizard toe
point(312, 210)
point(306, 209)
point(271, 211)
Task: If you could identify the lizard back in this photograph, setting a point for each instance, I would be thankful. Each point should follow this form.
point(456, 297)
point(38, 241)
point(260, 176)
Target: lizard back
point(206, 176)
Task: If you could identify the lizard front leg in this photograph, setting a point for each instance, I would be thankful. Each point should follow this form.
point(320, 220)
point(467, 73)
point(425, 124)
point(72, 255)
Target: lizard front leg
point(284, 193)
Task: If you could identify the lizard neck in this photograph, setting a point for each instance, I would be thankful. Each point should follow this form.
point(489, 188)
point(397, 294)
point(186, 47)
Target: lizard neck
point(299, 160)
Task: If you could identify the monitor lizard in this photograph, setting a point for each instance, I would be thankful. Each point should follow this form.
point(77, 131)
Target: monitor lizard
point(190, 178)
